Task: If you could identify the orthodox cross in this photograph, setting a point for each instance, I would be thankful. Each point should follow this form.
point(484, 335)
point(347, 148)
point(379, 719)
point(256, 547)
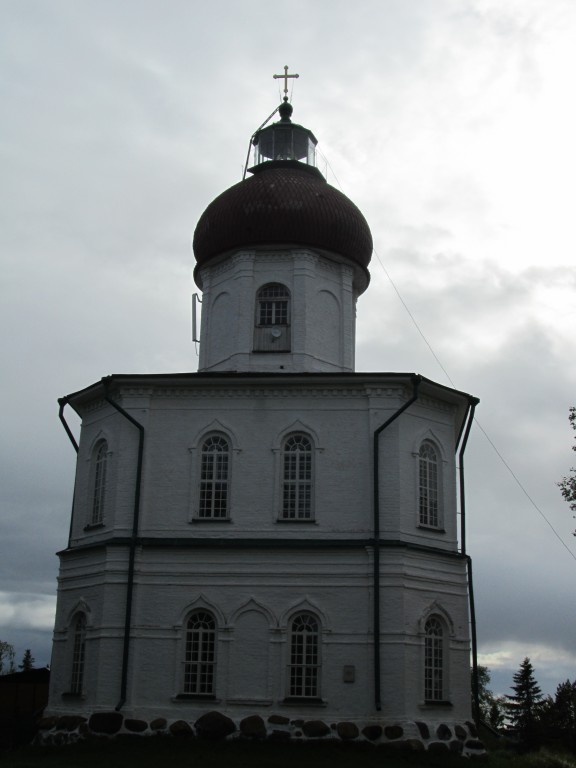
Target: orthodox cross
point(285, 77)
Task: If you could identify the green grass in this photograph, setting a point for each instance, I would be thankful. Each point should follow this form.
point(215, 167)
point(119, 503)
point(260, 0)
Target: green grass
point(173, 753)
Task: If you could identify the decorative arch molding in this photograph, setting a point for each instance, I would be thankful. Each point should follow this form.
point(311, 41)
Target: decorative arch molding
point(253, 605)
point(305, 606)
point(429, 435)
point(436, 609)
point(329, 306)
point(199, 603)
point(81, 606)
point(296, 426)
point(263, 283)
point(217, 328)
point(102, 436)
point(215, 427)
point(221, 296)
point(331, 295)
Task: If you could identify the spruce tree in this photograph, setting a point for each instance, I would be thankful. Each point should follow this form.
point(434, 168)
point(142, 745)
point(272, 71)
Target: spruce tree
point(565, 707)
point(522, 706)
point(496, 714)
point(559, 714)
point(28, 661)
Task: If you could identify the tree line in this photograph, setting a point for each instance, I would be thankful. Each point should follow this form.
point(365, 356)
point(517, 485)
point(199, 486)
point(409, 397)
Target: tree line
point(526, 712)
point(534, 718)
point(8, 656)
point(568, 484)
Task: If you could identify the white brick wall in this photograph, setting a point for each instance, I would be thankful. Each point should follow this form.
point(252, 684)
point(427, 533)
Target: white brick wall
point(323, 300)
point(253, 590)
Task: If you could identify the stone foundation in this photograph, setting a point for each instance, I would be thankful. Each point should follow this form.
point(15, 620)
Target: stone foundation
point(456, 738)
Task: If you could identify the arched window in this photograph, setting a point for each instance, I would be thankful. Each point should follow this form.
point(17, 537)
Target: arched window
point(100, 459)
point(273, 305)
point(428, 471)
point(297, 478)
point(200, 654)
point(304, 668)
point(434, 661)
point(214, 478)
point(78, 653)
point(272, 328)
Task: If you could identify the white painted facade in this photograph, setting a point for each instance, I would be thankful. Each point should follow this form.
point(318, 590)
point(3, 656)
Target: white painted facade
point(322, 292)
point(157, 541)
point(253, 569)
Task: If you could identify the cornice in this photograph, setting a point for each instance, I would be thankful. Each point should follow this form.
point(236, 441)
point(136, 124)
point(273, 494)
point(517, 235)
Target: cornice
point(94, 405)
point(235, 260)
point(262, 543)
point(271, 392)
point(371, 385)
point(266, 390)
point(327, 262)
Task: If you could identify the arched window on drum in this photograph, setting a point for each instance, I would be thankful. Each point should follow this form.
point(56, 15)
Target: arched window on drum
point(272, 322)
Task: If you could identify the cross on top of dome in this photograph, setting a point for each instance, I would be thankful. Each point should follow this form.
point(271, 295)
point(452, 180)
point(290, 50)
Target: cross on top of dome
point(285, 77)
point(284, 141)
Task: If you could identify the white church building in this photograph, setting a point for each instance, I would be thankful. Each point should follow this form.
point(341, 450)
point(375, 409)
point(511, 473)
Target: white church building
point(274, 538)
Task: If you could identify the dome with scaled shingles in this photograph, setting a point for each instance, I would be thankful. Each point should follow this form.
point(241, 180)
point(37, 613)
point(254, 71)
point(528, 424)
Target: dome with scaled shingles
point(284, 203)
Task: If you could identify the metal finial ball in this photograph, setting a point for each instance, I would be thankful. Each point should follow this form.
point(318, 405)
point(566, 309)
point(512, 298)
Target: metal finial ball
point(285, 110)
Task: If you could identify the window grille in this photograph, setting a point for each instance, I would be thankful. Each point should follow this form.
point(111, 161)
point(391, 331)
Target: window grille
point(428, 483)
point(434, 660)
point(200, 654)
point(273, 303)
point(297, 478)
point(214, 477)
point(78, 654)
point(304, 657)
point(99, 487)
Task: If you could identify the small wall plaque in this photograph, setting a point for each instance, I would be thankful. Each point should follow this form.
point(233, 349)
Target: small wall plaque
point(349, 673)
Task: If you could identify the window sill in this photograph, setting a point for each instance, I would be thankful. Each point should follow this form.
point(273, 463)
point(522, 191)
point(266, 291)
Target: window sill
point(431, 528)
point(195, 697)
point(201, 520)
point(252, 702)
point(93, 526)
point(292, 520)
point(298, 701)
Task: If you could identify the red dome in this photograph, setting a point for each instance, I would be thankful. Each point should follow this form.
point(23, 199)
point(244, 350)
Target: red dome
point(283, 203)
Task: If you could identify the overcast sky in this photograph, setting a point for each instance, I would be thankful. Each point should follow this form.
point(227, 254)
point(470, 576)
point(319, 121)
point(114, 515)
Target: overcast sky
point(450, 123)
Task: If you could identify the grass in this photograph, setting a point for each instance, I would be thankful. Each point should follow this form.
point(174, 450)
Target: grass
point(154, 752)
